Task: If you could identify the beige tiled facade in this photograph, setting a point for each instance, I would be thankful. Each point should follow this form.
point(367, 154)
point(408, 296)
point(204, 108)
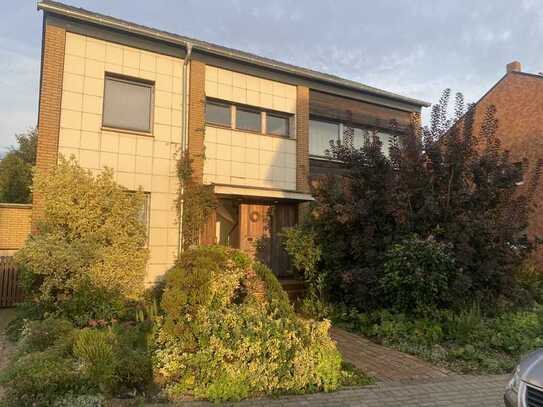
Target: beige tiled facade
point(138, 160)
point(244, 158)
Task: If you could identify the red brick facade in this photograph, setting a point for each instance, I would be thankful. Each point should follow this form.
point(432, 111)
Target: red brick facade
point(302, 139)
point(54, 39)
point(196, 119)
point(518, 98)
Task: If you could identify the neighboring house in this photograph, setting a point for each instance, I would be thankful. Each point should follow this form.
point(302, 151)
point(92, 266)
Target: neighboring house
point(129, 97)
point(518, 99)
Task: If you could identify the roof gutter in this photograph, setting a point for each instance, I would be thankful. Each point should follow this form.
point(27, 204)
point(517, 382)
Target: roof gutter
point(215, 50)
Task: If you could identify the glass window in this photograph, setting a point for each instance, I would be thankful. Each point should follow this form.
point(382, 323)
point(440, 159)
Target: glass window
point(278, 125)
point(360, 135)
point(248, 120)
point(127, 104)
point(218, 113)
point(320, 135)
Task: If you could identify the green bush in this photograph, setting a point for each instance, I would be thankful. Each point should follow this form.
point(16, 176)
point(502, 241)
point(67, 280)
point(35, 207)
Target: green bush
point(94, 350)
point(464, 326)
point(40, 378)
point(229, 332)
point(467, 341)
point(89, 250)
point(418, 275)
point(38, 336)
point(133, 367)
point(305, 254)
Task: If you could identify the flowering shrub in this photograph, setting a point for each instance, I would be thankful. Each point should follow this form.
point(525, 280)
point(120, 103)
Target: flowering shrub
point(229, 332)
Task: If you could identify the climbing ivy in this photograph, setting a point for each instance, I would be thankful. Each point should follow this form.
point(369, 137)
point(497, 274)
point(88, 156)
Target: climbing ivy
point(195, 202)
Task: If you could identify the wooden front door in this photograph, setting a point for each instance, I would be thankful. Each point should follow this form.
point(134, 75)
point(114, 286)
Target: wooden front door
point(255, 231)
point(260, 229)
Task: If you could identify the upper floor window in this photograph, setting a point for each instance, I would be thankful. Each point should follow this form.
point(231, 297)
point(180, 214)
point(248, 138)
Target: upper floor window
point(248, 120)
point(128, 104)
point(360, 135)
point(277, 124)
point(240, 117)
point(218, 113)
point(320, 135)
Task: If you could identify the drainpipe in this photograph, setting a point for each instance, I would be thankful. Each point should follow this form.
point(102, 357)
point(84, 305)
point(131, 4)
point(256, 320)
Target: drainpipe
point(184, 131)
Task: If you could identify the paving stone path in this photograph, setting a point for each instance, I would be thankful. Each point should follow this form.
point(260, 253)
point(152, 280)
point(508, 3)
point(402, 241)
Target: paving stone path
point(383, 363)
point(452, 391)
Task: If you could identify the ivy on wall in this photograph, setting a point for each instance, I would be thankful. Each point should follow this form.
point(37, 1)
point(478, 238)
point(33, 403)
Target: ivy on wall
point(195, 202)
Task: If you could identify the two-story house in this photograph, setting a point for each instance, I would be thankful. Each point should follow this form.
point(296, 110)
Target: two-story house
point(120, 95)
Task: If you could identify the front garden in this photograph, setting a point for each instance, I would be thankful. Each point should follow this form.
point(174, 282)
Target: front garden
point(219, 327)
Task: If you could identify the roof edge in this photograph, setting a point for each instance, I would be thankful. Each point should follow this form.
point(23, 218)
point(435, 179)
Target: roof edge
point(118, 24)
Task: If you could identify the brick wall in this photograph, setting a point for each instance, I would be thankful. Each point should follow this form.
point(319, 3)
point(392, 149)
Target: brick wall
point(15, 223)
point(518, 99)
point(302, 139)
point(54, 39)
point(196, 119)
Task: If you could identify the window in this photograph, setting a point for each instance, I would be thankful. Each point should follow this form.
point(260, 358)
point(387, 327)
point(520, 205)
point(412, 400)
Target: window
point(360, 136)
point(248, 120)
point(127, 104)
point(320, 135)
point(218, 113)
point(278, 125)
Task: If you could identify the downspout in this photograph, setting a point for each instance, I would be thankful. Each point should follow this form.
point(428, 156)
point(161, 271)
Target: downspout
point(184, 131)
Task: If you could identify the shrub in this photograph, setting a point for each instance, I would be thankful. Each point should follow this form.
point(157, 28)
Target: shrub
point(133, 367)
point(89, 250)
point(229, 332)
point(37, 336)
point(94, 350)
point(305, 254)
point(464, 326)
point(418, 274)
point(40, 378)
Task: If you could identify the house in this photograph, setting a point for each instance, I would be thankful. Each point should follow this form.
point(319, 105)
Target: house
point(518, 99)
point(118, 94)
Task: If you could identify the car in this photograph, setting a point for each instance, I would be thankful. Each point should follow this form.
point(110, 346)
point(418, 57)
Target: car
point(525, 389)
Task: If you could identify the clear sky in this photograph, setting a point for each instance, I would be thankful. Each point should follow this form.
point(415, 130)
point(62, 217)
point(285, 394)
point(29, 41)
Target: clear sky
point(412, 47)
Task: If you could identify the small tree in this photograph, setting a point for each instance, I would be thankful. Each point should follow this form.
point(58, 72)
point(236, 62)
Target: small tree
point(16, 169)
point(89, 250)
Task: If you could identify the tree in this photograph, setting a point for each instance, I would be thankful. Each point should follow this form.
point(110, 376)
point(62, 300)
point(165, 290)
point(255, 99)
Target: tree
point(16, 169)
point(449, 182)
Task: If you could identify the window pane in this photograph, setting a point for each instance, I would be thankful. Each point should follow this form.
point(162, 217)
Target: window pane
point(248, 120)
point(218, 114)
point(127, 104)
point(386, 140)
point(360, 136)
point(320, 134)
point(277, 125)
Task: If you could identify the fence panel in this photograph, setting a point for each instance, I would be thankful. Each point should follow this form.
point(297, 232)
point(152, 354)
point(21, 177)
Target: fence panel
point(10, 291)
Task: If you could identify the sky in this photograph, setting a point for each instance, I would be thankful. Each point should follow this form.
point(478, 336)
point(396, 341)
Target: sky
point(415, 48)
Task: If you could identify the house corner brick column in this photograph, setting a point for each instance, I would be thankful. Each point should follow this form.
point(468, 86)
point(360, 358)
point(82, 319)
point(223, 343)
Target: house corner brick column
point(196, 119)
point(302, 145)
point(302, 139)
point(54, 40)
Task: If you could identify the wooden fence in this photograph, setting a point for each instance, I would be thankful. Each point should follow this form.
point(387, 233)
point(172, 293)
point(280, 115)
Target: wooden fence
point(10, 291)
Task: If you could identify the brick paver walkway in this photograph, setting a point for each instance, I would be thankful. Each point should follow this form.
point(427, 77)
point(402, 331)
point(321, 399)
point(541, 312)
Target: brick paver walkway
point(383, 363)
point(453, 391)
